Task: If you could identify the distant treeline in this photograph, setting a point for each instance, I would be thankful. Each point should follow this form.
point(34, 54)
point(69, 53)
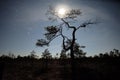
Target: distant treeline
point(47, 55)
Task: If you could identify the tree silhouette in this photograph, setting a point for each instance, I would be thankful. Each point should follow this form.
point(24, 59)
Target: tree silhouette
point(46, 55)
point(101, 55)
point(78, 52)
point(11, 55)
point(33, 55)
point(55, 31)
point(116, 52)
point(63, 55)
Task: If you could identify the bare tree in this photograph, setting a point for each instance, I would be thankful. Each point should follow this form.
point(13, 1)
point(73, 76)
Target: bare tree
point(55, 31)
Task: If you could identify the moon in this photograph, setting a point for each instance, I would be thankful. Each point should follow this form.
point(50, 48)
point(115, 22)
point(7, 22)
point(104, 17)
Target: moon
point(61, 12)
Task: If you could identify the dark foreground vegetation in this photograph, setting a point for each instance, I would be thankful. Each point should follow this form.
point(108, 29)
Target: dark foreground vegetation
point(102, 67)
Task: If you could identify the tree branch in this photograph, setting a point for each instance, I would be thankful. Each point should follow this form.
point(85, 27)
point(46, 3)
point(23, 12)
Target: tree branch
point(63, 42)
point(83, 25)
point(54, 37)
point(42, 42)
point(67, 24)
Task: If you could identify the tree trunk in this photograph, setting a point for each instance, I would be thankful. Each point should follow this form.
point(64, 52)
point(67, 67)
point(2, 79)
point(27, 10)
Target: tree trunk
point(72, 55)
point(73, 65)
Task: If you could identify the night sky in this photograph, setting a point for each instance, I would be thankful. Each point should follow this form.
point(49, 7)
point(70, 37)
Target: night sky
point(22, 22)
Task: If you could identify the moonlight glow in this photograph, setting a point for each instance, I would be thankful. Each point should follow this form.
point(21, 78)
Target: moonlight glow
point(61, 12)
